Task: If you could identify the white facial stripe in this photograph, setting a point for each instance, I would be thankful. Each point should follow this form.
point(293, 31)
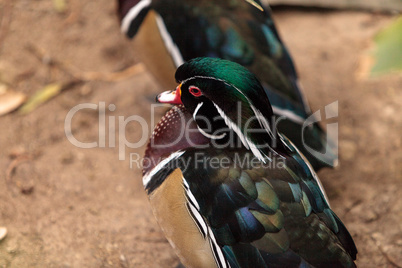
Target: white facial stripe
point(210, 136)
point(263, 122)
point(288, 114)
point(233, 126)
point(147, 177)
point(204, 77)
point(196, 109)
point(133, 13)
point(246, 141)
point(170, 45)
point(214, 137)
point(261, 119)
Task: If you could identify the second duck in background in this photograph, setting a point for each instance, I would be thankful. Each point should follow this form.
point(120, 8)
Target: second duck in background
point(170, 32)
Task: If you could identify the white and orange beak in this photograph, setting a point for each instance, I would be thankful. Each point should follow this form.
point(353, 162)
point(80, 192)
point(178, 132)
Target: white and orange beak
point(172, 97)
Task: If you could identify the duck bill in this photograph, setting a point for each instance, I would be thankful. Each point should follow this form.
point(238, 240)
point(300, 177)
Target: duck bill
point(172, 97)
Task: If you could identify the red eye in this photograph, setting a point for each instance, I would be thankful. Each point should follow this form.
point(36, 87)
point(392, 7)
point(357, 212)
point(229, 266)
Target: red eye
point(195, 91)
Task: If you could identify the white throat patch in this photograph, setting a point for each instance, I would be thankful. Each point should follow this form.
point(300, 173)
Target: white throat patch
point(210, 136)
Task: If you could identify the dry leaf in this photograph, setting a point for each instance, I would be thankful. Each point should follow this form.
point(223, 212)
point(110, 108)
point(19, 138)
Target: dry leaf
point(10, 100)
point(41, 97)
point(3, 232)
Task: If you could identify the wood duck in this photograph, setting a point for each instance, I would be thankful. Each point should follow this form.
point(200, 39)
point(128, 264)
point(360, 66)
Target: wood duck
point(174, 31)
point(228, 190)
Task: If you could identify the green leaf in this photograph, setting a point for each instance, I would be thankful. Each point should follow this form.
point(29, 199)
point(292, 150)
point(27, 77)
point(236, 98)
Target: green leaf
point(41, 97)
point(60, 5)
point(388, 51)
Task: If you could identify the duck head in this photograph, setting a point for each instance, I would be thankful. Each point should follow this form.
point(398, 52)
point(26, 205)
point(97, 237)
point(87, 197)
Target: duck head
point(224, 97)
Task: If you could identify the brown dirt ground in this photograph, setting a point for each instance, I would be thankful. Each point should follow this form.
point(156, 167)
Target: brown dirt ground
point(72, 207)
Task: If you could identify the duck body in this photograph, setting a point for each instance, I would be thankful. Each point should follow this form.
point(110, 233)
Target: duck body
point(221, 197)
point(168, 33)
point(243, 215)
